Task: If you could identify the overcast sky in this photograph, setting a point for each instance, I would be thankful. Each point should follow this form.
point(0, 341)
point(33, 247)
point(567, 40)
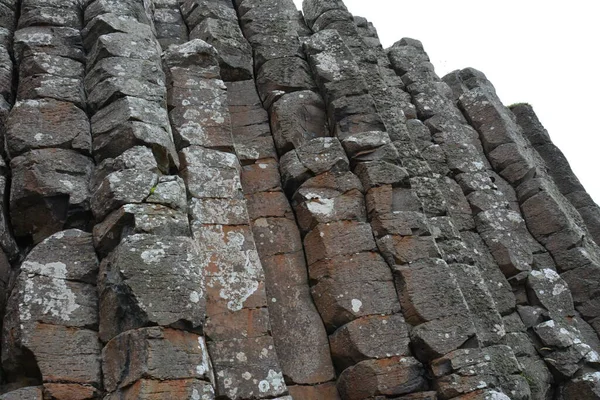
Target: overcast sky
point(541, 52)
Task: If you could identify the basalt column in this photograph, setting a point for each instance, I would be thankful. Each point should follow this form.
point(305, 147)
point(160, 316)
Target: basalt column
point(550, 217)
point(151, 282)
point(50, 337)
point(238, 323)
point(558, 168)
point(273, 29)
point(498, 221)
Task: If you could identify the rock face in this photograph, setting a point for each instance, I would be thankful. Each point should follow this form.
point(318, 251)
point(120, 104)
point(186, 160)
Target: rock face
point(229, 199)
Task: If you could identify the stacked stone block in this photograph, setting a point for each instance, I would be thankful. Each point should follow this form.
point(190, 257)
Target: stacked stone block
point(497, 216)
point(238, 323)
point(51, 321)
point(558, 168)
point(273, 30)
point(550, 218)
point(47, 135)
point(361, 145)
point(151, 285)
point(268, 212)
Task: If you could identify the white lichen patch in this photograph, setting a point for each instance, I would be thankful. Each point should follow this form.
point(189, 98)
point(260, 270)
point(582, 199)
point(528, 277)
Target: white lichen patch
point(273, 382)
point(52, 269)
point(203, 368)
point(356, 305)
point(238, 269)
point(320, 206)
point(48, 296)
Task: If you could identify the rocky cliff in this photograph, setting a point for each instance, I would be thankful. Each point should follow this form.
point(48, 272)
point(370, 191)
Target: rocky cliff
point(230, 199)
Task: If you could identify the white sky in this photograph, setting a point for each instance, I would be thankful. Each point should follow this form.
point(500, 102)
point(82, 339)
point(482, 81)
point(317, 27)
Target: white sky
point(541, 52)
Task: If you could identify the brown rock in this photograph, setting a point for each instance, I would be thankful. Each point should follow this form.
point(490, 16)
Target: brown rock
point(134, 277)
point(154, 353)
point(324, 391)
point(70, 391)
point(338, 238)
point(149, 389)
point(276, 236)
point(368, 338)
point(261, 176)
point(389, 377)
point(351, 287)
point(247, 368)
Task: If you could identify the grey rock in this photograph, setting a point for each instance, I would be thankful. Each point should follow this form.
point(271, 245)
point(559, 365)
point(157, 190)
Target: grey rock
point(154, 353)
point(47, 123)
point(135, 275)
point(49, 190)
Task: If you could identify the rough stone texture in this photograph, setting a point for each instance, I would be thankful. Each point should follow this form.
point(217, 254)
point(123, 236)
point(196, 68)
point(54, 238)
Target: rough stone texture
point(278, 208)
point(137, 272)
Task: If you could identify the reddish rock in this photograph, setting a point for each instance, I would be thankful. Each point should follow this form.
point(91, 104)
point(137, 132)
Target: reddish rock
point(246, 368)
point(262, 176)
point(149, 389)
point(389, 377)
point(351, 287)
point(368, 338)
point(154, 353)
point(47, 123)
point(338, 238)
point(276, 236)
point(324, 391)
point(268, 204)
point(71, 392)
point(242, 324)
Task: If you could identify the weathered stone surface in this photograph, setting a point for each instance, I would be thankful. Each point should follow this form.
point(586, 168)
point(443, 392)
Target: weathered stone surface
point(280, 76)
point(338, 238)
point(238, 378)
point(128, 9)
point(56, 41)
point(320, 206)
point(49, 190)
point(296, 118)
point(127, 109)
point(135, 275)
point(74, 391)
point(154, 353)
point(234, 52)
point(388, 377)
point(234, 276)
point(368, 338)
point(298, 333)
point(134, 133)
point(210, 173)
point(325, 391)
point(585, 387)
point(26, 393)
point(122, 187)
point(47, 123)
point(149, 389)
point(349, 287)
